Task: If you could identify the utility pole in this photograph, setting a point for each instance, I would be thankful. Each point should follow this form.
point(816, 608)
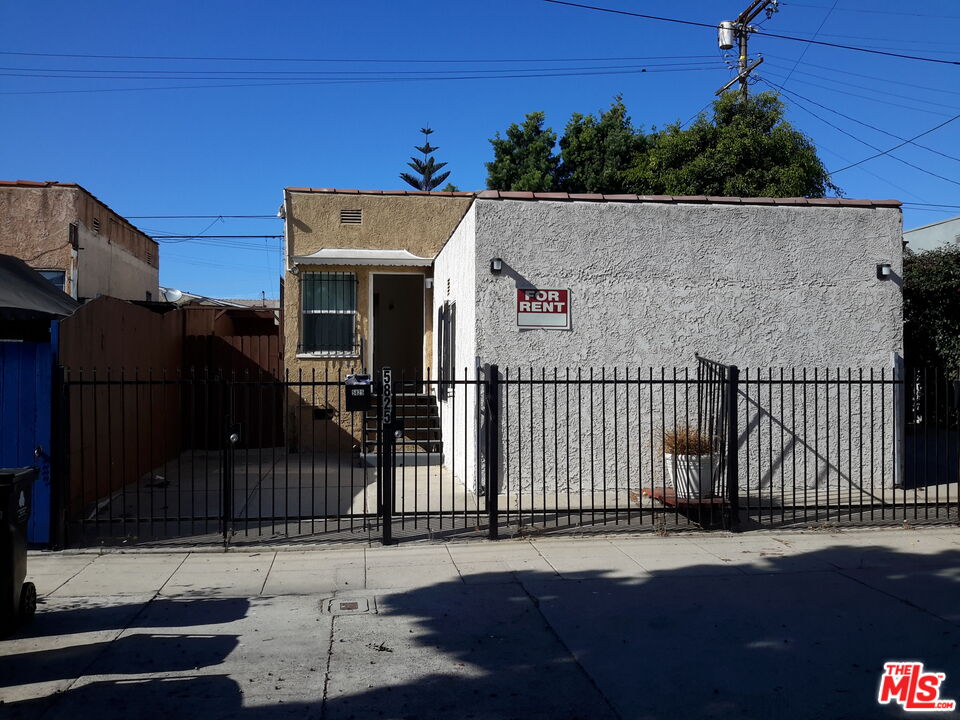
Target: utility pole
point(739, 31)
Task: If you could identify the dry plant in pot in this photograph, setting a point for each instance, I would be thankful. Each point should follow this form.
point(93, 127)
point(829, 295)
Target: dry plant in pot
point(692, 462)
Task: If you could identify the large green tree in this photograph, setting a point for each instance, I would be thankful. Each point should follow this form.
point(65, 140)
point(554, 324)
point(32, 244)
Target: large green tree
point(524, 159)
point(746, 148)
point(427, 169)
point(596, 152)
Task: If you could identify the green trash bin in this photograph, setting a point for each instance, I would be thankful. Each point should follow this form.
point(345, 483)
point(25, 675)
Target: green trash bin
point(18, 599)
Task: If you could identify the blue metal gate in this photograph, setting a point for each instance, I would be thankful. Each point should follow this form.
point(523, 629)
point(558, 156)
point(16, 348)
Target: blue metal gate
point(26, 384)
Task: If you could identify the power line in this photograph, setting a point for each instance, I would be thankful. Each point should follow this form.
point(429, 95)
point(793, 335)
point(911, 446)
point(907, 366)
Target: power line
point(934, 205)
point(339, 60)
point(213, 237)
point(861, 122)
point(859, 75)
point(778, 36)
point(885, 101)
point(874, 12)
point(692, 60)
point(201, 217)
point(328, 75)
point(900, 145)
point(864, 142)
point(355, 82)
point(807, 46)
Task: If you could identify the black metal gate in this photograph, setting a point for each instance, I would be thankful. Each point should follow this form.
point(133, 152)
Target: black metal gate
point(493, 452)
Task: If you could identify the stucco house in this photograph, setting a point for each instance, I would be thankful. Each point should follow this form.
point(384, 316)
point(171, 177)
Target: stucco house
point(74, 240)
point(933, 236)
point(437, 284)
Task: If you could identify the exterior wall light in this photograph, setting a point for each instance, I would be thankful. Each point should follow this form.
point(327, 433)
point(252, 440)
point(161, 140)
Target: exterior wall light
point(883, 271)
point(496, 265)
point(428, 283)
point(294, 270)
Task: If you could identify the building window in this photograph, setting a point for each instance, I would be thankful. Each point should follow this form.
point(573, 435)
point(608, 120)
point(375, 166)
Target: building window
point(329, 324)
point(447, 324)
point(56, 277)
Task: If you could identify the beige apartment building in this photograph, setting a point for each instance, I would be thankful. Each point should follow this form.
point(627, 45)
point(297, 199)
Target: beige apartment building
point(78, 243)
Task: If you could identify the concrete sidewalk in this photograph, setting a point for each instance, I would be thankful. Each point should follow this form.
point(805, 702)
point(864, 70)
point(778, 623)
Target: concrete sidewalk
point(782, 625)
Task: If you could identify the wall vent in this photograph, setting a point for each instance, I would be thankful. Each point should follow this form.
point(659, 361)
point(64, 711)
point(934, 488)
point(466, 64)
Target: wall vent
point(351, 217)
point(96, 225)
point(448, 287)
point(149, 258)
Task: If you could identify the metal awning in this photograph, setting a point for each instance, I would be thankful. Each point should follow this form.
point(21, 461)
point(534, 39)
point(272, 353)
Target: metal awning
point(26, 296)
point(350, 256)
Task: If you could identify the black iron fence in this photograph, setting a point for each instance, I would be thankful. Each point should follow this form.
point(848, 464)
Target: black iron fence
point(491, 451)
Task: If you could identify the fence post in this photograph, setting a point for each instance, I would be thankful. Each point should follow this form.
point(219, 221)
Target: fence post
point(232, 438)
point(733, 443)
point(493, 449)
point(385, 454)
point(899, 416)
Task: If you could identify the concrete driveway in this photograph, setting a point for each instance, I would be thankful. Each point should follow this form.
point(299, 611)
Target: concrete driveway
point(786, 625)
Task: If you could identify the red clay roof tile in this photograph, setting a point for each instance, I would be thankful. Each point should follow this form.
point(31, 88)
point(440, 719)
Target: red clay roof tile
point(597, 197)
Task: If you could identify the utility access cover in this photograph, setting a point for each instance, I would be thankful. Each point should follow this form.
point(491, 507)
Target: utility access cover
point(348, 606)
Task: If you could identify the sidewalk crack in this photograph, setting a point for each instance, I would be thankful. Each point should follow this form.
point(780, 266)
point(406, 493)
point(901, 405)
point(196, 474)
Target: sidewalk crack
point(897, 598)
point(535, 601)
point(267, 575)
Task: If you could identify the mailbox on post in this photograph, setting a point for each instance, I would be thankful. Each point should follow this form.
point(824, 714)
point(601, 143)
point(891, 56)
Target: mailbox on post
point(359, 388)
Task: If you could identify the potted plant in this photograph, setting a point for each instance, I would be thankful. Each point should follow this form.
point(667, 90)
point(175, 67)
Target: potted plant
point(692, 463)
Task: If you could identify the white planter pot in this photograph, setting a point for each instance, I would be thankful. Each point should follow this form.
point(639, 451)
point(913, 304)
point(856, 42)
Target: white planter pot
point(692, 475)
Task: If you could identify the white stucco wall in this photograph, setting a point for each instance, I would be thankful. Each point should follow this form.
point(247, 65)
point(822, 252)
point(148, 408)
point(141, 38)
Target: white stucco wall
point(651, 284)
point(943, 234)
point(455, 280)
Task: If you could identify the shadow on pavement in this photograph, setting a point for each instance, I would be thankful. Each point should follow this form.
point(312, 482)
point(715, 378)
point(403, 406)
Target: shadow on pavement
point(805, 638)
point(82, 617)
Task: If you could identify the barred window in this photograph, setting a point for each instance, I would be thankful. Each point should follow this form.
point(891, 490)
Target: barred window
point(329, 318)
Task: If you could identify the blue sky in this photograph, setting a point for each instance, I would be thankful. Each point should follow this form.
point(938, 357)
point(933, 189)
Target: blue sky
point(339, 115)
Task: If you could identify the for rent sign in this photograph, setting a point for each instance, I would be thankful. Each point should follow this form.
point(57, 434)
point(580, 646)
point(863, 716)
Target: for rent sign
point(543, 309)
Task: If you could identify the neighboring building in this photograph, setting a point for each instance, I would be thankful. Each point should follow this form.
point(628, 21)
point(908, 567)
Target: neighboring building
point(943, 234)
point(645, 282)
point(75, 241)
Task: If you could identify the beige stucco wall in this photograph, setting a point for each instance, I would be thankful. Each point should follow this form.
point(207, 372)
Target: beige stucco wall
point(118, 260)
point(35, 227)
point(418, 224)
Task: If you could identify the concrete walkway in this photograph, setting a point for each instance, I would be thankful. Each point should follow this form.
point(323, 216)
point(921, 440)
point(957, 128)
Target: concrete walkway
point(783, 625)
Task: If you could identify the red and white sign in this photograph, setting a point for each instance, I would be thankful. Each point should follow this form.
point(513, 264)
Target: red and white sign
point(548, 309)
point(904, 682)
